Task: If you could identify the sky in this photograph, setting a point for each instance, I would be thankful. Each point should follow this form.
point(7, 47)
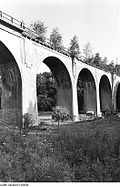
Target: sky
point(94, 21)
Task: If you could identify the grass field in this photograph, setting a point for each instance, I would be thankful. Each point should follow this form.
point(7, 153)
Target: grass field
point(79, 152)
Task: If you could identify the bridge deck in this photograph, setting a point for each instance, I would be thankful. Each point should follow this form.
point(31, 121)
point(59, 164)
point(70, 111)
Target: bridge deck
point(19, 26)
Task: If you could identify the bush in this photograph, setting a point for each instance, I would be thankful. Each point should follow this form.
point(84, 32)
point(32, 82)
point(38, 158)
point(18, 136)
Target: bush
point(60, 114)
point(27, 122)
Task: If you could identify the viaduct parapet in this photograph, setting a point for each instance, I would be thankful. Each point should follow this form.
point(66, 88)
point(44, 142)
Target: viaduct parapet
point(20, 58)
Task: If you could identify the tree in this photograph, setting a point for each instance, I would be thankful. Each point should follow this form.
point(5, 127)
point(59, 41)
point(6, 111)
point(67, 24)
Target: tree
point(46, 91)
point(74, 50)
point(97, 59)
point(111, 66)
point(56, 39)
point(116, 61)
point(105, 61)
point(117, 69)
point(60, 114)
point(40, 28)
point(87, 50)
point(117, 66)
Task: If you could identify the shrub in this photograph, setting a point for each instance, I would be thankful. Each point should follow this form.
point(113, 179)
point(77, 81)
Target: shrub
point(60, 114)
point(27, 122)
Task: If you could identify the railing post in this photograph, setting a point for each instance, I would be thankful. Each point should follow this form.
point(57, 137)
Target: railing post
point(11, 19)
point(1, 14)
point(22, 25)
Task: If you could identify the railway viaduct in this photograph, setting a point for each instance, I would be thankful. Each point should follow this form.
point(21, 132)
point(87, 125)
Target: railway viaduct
point(20, 58)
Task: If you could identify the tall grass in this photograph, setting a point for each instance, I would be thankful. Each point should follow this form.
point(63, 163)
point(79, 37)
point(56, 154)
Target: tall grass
point(91, 149)
point(88, 151)
point(30, 159)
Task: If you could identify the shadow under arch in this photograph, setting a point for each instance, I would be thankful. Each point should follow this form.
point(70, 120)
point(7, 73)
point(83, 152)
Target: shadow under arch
point(105, 94)
point(86, 92)
point(118, 98)
point(11, 88)
point(63, 80)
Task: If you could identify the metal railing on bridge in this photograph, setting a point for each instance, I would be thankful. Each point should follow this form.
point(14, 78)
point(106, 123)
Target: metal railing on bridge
point(29, 33)
point(11, 20)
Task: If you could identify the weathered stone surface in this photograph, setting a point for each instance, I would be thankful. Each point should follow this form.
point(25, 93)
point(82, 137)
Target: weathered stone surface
point(21, 58)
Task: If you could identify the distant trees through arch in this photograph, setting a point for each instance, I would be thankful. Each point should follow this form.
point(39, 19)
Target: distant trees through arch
point(59, 84)
point(105, 94)
point(86, 92)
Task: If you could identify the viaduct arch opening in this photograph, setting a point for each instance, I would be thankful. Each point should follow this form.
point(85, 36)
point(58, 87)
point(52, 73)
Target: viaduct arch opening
point(118, 98)
point(10, 88)
point(105, 94)
point(62, 80)
point(86, 92)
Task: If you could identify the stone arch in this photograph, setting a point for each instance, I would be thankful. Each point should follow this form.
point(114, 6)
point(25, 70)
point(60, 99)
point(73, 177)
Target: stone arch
point(62, 77)
point(11, 87)
point(86, 92)
point(105, 92)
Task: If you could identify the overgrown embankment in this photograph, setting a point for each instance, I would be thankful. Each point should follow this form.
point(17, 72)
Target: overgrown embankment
point(86, 151)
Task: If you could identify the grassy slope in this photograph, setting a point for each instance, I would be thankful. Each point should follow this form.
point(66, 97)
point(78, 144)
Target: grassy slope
point(81, 151)
point(91, 148)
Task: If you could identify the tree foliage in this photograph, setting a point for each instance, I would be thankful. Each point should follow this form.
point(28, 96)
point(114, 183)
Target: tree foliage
point(60, 114)
point(56, 39)
point(105, 61)
point(117, 69)
point(40, 28)
point(97, 59)
point(111, 66)
point(87, 50)
point(74, 50)
point(46, 91)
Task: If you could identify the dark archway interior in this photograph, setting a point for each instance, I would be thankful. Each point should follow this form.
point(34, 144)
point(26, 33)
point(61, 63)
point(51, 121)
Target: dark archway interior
point(118, 98)
point(105, 94)
point(10, 87)
point(86, 92)
point(62, 77)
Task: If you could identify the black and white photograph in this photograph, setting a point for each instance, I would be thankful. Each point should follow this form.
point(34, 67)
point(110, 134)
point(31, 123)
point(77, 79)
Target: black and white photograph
point(59, 92)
